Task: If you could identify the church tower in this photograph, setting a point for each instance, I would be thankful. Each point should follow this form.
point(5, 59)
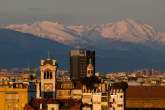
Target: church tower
point(48, 70)
point(90, 69)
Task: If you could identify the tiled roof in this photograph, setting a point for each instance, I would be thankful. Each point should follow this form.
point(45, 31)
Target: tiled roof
point(71, 106)
point(44, 101)
point(145, 92)
point(64, 104)
point(28, 107)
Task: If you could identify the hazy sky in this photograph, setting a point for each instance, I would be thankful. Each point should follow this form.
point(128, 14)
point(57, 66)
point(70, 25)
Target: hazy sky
point(83, 11)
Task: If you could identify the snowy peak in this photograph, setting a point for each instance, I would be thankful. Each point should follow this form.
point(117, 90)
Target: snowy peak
point(129, 31)
point(46, 29)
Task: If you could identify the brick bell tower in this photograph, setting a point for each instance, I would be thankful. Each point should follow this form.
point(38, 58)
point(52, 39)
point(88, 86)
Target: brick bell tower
point(48, 70)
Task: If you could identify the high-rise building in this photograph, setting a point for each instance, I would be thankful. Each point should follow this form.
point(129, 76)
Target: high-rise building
point(79, 60)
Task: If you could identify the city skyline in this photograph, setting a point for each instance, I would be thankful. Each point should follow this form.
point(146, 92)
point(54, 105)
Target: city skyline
point(82, 55)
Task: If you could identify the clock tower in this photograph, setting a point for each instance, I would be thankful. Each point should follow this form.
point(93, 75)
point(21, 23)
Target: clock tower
point(48, 70)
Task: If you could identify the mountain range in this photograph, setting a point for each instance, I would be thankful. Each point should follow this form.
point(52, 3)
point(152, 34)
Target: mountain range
point(102, 36)
point(120, 46)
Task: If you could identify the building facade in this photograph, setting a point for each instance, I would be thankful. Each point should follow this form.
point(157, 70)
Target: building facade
point(97, 100)
point(15, 96)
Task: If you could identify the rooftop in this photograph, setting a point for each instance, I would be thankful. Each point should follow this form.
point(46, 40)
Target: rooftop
point(145, 92)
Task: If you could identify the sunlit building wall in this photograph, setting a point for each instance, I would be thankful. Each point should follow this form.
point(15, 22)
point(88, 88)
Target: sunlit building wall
point(13, 98)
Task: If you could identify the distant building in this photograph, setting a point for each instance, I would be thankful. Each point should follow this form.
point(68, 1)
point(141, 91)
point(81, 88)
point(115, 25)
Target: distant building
point(79, 60)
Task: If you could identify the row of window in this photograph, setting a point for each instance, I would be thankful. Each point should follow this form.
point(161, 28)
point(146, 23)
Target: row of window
point(103, 107)
point(48, 75)
point(90, 71)
point(15, 107)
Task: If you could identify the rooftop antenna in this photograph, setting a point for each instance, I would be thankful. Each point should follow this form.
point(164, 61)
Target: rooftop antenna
point(90, 61)
point(23, 71)
point(48, 54)
point(29, 67)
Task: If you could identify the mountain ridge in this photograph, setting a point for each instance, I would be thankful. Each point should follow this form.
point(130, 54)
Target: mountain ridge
point(81, 36)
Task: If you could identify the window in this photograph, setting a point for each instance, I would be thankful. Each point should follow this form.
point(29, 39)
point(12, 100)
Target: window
point(120, 105)
point(104, 99)
point(104, 94)
point(110, 104)
point(113, 100)
point(9, 107)
point(16, 96)
point(16, 107)
point(103, 107)
point(23, 96)
point(47, 75)
point(9, 96)
point(23, 106)
point(50, 75)
point(44, 75)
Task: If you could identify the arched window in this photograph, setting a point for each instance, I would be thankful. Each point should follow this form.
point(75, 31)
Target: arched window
point(47, 74)
point(44, 75)
point(91, 71)
point(50, 75)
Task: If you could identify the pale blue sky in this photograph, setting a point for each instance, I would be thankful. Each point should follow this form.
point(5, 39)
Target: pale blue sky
point(83, 11)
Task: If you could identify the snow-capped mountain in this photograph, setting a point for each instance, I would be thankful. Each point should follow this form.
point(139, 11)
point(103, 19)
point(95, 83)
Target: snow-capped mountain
point(127, 31)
